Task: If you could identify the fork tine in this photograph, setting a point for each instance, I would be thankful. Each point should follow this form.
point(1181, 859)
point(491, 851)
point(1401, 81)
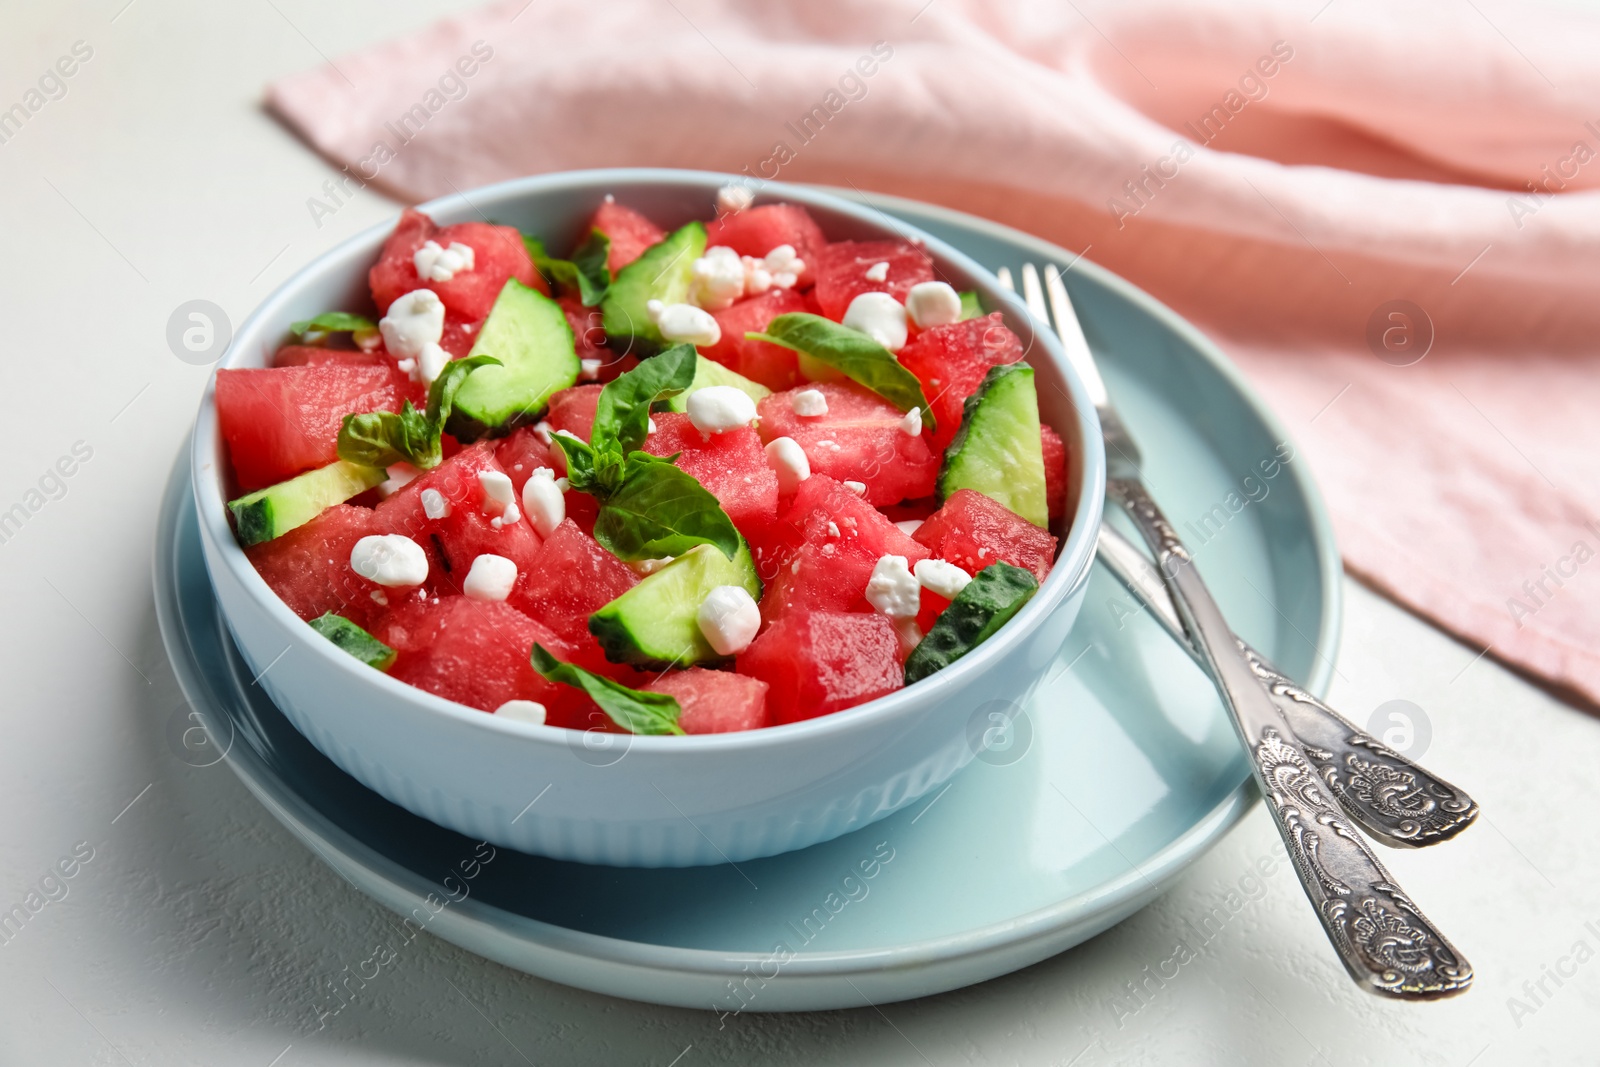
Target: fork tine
point(1003, 275)
point(1033, 294)
point(1070, 331)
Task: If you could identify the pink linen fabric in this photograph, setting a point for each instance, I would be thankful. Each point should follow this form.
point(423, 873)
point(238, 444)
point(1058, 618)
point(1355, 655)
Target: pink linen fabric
point(1282, 173)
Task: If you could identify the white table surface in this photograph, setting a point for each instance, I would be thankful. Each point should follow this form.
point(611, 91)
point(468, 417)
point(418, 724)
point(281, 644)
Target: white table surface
point(187, 938)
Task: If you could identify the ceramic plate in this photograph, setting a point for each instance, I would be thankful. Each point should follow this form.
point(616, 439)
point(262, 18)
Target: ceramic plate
point(1120, 773)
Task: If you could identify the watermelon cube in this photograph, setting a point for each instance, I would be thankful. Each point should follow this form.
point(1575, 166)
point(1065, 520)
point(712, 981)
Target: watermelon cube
point(731, 466)
point(589, 338)
point(630, 232)
point(1055, 471)
point(475, 653)
point(573, 409)
point(309, 567)
point(819, 662)
point(841, 272)
point(572, 578)
point(973, 531)
point(772, 365)
point(950, 362)
point(715, 702)
point(823, 553)
point(455, 480)
point(318, 356)
point(860, 439)
point(498, 254)
point(758, 230)
point(281, 421)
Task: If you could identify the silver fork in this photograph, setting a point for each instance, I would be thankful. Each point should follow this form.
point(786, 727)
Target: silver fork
point(1385, 942)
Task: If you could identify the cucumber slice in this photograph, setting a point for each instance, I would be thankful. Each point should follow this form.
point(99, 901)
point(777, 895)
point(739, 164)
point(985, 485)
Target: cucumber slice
point(528, 333)
point(354, 640)
point(656, 624)
point(710, 372)
point(970, 308)
point(662, 272)
point(997, 450)
point(994, 595)
point(277, 509)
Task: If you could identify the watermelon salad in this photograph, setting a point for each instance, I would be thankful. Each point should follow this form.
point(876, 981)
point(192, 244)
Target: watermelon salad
point(717, 478)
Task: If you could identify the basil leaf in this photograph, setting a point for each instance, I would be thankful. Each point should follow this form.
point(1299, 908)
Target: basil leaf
point(853, 354)
point(333, 322)
point(634, 710)
point(623, 415)
point(586, 271)
point(581, 465)
point(970, 308)
point(659, 510)
point(380, 438)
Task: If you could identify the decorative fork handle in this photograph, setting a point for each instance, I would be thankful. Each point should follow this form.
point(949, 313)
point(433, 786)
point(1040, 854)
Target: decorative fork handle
point(1390, 797)
point(1385, 942)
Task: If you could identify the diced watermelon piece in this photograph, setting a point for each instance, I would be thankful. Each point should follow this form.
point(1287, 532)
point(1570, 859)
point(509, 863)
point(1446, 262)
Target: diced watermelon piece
point(932, 607)
point(280, 421)
point(951, 361)
point(1055, 471)
point(859, 440)
point(819, 662)
point(467, 533)
point(715, 702)
point(573, 409)
point(572, 579)
point(841, 272)
point(758, 230)
point(458, 337)
point(973, 531)
point(588, 337)
point(731, 466)
point(309, 567)
point(456, 480)
point(498, 254)
point(630, 232)
point(317, 356)
point(825, 548)
point(521, 453)
point(772, 365)
point(475, 653)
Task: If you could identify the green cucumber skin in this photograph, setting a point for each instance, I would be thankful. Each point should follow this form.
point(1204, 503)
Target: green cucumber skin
point(614, 625)
point(354, 640)
point(994, 595)
point(491, 404)
point(272, 512)
point(1015, 477)
point(662, 272)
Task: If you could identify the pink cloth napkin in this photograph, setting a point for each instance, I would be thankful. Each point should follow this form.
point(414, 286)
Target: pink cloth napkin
point(1277, 172)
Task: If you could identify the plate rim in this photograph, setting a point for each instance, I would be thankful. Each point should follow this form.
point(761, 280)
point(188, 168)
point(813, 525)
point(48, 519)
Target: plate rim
point(386, 877)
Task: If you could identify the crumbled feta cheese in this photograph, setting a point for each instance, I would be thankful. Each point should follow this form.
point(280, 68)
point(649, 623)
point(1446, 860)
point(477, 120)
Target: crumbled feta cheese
point(879, 316)
point(650, 425)
point(497, 489)
point(684, 323)
point(938, 576)
point(893, 589)
point(717, 278)
point(589, 369)
point(413, 320)
point(909, 633)
point(909, 526)
point(379, 597)
point(644, 568)
point(809, 403)
point(522, 711)
point(729, 619)
point(858, 488)
point(833, 528)
point(911, 425)
point(734, 198)
point(878, 272)
point(828, 442)
point(392, 560)
point(568, 433)
point(542, 500)
point(400, 474)
point(435, 264)
point(719, 408)
point(430, 361)
point(788, 461)
point(541, 430)
point(780, 267)
point(933, 304)
point(490, 578)
point(434, 505)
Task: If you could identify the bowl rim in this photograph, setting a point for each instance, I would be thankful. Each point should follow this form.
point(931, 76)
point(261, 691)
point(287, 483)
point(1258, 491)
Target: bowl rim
point(1072, 563)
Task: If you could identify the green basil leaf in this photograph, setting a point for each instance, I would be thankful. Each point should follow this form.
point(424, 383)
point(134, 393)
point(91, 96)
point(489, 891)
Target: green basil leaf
point(581, 462)
point(586, 271)
point(634, 710)
point(970, 308)
point(380, 438)
point(623, 415)
point(853, 354)
point(333, 322)
point(659, 510)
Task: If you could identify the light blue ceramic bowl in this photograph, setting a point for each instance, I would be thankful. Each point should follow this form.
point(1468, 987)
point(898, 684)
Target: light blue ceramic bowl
point(622, 800)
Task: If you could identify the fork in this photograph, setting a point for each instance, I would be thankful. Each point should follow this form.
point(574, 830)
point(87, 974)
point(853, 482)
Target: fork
point(1384, 941)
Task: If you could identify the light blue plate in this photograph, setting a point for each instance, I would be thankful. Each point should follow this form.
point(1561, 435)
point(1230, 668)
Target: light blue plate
point(1120, 774)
